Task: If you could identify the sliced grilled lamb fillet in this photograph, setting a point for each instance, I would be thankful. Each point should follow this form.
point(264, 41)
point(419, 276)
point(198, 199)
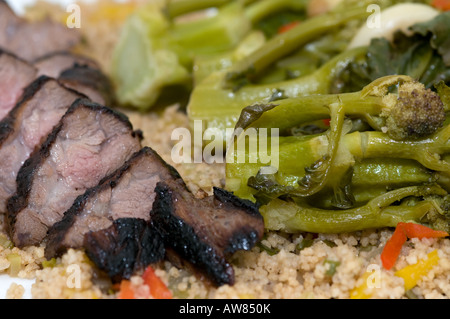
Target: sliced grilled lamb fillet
point(9, 22)
point(31, 40)
point(128, 192)
point(90, 81)
point(205, 232)
point(15, 75)
point(55, 63)
point(43, 104)
point(126, 247)
point(79, 73)
point(90, 142)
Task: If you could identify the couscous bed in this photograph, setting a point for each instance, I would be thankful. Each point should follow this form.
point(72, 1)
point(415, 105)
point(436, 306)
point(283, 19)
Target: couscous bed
point(282, 266)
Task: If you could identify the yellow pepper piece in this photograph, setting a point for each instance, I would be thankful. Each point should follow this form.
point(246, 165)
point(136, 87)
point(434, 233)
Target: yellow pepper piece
point(362, 291)
point(118, 12)
point(413, 273)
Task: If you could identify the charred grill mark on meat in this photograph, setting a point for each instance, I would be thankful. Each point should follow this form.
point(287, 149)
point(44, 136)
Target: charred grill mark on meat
point(90, 142)
point(55, 63)
point(128, 192)
point(204, 232)
point(126, 247)
point(89, 81)
point(79, 73)
point(43, 104)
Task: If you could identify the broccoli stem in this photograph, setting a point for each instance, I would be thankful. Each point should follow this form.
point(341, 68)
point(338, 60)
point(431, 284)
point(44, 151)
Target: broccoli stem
point(208, 35)
point(427, 152)
point(292, 112)
point(287, 42)
point(176, 8)
point(205, 65)
point(220, 108)
point(223, 31)
point(373, 171)
point(377, 213)
point(264, 8)
point(163, 51)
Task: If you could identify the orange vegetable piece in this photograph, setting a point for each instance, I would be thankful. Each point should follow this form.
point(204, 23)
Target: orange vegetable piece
point(157, 287)
point(402, 232)
point(443, 5)
point(288, 26)
point(393, 247)
point(126, 290)
point(419, 231)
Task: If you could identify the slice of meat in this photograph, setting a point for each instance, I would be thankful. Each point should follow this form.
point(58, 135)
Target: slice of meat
point(79, 73)
point(205, 232)
point(43, 104)
point(15, 76)
point(8, 22)
point(90, 81)
point(128, 192)
point(90, 142)
point(55, 63)
point(128, 246)
point(31, 40)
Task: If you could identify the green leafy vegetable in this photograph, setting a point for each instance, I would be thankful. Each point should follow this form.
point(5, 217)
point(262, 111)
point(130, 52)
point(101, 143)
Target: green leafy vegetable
point(423, 55)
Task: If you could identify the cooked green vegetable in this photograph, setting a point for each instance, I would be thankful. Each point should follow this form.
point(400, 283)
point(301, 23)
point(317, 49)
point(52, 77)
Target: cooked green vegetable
point(363, 133)
point(5, 242)
point(176, 8)
point(297, 215)
point(156, 52)
point(220, 109)
point(332, 266)
point(287, 42)
point(342, 172)
point(15, 264)
point(411, 112)
point(421, 54)
point(49, 263)
point(218, 99)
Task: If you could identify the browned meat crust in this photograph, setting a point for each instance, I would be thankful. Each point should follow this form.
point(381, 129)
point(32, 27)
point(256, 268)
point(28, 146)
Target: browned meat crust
point(128, 192)
point(128, 246)
point(53, 64)
point(205, 232)
point(90, 142)
point(90, 81)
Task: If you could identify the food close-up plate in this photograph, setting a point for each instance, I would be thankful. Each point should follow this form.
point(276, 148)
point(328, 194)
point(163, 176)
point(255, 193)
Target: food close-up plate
point(225, 149)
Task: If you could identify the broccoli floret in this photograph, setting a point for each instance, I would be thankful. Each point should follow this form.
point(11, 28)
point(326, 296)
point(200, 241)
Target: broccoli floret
point(439, 218)
point(413, 113)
